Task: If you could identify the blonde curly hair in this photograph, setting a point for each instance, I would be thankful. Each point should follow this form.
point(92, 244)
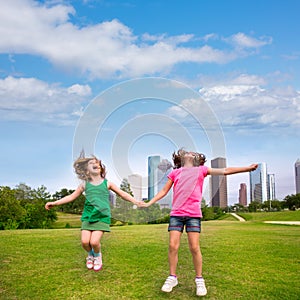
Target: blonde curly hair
point(80, 167)
point(178, 158)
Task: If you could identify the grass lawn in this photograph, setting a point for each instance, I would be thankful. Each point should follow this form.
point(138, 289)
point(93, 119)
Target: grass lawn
point(246, 260)
point(271, 216)
point(67, 221)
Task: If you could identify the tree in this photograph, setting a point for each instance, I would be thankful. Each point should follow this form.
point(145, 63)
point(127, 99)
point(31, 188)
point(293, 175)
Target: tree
point(254, 206)
point(123, 210)
point(292, 202)
point(36, 215)
point(11, 211)
point(24, 207)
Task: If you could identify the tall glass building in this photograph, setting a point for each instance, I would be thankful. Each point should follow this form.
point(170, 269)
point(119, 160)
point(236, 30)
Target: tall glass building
point(243, 194)
point(153, 162)
point(271, 187)
point(259, 184)
point(297, 175)
point(164, 168)
point(219, 184)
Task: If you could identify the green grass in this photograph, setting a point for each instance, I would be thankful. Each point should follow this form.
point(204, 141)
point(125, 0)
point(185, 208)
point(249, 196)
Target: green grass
point(67, 221)
point(246, 260)
point(272, 216)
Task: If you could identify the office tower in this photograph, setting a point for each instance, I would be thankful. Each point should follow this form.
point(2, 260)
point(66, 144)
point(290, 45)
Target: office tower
point(135, 181)
point(271, 187)
point(243, 194)
point(153, 162)
point(219, 184)
point(297, 175)
point(258, 184)
point(112, 199)
point(164, 168)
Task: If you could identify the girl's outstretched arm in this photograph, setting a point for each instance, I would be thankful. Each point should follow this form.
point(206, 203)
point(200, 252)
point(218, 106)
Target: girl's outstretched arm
point(121, 193)
point(163, 192)
point(66, 199)
point(232, 170)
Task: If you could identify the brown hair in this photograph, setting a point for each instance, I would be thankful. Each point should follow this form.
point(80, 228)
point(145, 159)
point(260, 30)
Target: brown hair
point(178, 158)
point(80, 167)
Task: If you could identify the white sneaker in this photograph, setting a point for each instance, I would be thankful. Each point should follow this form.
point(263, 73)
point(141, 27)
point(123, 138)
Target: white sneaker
point(170, 282)
point(98, 263)
point(90, 262)
point(201, 289)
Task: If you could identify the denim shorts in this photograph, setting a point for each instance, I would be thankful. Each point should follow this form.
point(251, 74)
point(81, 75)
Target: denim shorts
point(177, 223)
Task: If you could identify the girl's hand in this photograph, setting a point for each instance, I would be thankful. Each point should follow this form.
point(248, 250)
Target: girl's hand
point(49, 205)
point(144, 204)
point(253, 167)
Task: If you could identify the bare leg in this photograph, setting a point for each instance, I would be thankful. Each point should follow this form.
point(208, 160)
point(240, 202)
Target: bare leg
point(95, 240)
point(193, 238)
point(173, 250)
point(85, 240)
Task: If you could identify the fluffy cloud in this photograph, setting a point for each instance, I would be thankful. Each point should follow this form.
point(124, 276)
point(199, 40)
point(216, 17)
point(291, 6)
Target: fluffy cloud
point(243, 104)
point(32, 99)
point(103, 50)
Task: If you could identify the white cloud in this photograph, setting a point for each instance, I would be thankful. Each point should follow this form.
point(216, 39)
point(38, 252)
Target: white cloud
point(241, 40)
point(103, 50)
point(248, 105)
point(32, 99)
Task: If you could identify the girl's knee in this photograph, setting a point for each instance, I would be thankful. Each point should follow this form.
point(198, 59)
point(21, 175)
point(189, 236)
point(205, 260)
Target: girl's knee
point(195, 250)
point(85, 243)
point(173, 247)
point(94, 244)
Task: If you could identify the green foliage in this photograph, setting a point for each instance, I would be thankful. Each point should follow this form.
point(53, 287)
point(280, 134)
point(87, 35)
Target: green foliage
point(292, 202)
point(23, 208)
point(11, 210)
point(212, 213)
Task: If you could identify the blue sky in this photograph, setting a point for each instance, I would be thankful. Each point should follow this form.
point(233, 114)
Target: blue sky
point(56, 57)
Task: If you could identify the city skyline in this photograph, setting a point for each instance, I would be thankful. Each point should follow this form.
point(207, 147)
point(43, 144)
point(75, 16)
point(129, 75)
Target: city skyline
point(242, 63)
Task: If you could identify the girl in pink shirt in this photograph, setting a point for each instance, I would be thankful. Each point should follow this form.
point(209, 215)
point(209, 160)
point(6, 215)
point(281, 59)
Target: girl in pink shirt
point(187, 181)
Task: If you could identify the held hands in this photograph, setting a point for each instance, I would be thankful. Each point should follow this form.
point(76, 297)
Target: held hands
point(141, 204)
point(145, 204)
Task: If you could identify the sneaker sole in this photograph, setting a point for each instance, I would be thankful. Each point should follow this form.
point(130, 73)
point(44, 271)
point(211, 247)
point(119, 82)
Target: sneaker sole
point(98, 269)
point(169, 291)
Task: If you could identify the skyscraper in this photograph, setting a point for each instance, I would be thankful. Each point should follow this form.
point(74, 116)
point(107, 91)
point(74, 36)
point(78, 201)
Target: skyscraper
point(243, 194)
point(219, 184)
point(297, 175)
point(271, 187)
point(153, 162)
point(259, 184)
point(135, 181)
point(164, 168)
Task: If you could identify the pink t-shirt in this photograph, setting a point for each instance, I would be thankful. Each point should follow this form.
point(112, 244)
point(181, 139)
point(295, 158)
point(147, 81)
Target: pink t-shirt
point(187, 191)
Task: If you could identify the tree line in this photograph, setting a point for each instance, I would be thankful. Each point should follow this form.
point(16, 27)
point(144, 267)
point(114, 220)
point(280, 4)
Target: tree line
point(24, 208)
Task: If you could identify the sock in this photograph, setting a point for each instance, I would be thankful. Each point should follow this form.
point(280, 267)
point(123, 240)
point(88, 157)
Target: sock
point(173, 275)
point(199, 277)
point(96, 254)
point(91, 253)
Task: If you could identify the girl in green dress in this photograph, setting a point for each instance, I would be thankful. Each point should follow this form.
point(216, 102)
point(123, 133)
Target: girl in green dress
point(96, 213)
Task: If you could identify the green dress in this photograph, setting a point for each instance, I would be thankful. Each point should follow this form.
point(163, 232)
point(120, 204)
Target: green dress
point(96, 213)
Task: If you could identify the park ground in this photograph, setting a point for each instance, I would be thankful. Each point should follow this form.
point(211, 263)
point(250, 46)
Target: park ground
point(242, 260)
